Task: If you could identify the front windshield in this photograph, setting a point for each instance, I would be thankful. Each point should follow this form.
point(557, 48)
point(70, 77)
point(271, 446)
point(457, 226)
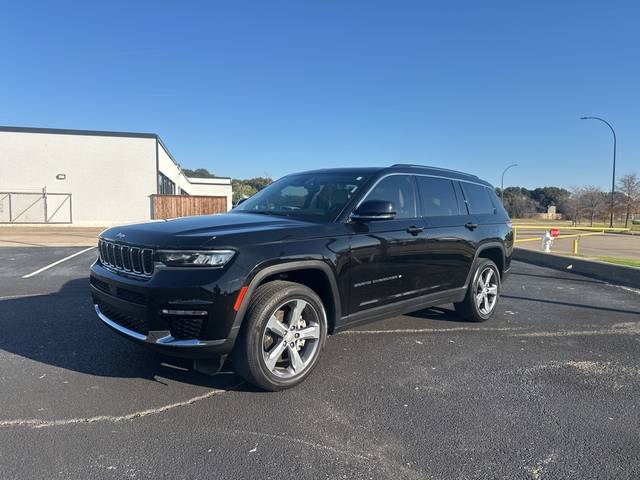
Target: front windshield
point(318, 196)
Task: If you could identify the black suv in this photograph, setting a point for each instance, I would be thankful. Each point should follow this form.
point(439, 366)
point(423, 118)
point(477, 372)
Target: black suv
point(311, 254)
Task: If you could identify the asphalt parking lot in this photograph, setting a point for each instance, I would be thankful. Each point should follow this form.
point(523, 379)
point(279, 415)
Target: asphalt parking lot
point(548, 388)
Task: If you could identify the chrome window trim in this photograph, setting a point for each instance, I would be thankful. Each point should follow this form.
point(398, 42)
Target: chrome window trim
point(375, 184)
point(469, 204)
point(455, 194)
point(374, 217)
point(415, 195)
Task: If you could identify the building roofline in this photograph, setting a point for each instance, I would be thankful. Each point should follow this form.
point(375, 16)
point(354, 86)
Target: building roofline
point(196, 180)
point(69, 131)
point(95, 133)
point(90, 133)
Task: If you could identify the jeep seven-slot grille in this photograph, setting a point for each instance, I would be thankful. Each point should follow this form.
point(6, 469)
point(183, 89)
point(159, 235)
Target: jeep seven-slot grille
point(126, 258)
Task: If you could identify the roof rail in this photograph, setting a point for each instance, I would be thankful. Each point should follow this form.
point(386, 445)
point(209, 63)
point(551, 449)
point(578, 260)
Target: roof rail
point(433, 168)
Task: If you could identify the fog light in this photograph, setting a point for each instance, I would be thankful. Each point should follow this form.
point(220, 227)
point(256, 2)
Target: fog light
point(185, 313)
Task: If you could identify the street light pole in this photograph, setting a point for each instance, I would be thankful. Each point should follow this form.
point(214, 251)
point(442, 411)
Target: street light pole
point(613, 177)
point(502, 181)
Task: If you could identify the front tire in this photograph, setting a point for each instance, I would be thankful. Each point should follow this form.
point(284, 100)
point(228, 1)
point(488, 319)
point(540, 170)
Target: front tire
point(282, 336)
point(483, 293)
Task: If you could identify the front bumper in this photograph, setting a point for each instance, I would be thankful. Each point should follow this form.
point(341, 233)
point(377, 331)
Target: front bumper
point(137, 310)
point(162, 341)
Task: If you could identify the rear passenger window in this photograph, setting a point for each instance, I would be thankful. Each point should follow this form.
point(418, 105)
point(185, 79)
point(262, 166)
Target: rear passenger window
point(478, 199)
point(438, 197)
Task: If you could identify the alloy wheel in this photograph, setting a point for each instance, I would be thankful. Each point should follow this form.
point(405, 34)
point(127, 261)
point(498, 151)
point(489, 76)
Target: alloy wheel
point(290, 339)
point(486, 292)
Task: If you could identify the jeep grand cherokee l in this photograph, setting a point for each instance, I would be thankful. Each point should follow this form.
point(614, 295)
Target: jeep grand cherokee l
point(311, 254)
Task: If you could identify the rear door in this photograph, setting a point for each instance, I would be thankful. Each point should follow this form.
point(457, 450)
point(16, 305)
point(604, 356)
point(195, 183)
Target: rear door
point(450, 241)
point(483, 211)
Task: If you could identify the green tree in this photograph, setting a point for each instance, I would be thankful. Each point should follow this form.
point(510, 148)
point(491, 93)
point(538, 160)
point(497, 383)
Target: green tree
point(259, 182)
point(245, 188)
point(518, 202)
point(548, 196)
point(198, 173)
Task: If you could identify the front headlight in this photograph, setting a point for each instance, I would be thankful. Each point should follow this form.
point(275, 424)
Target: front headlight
point(188, 258)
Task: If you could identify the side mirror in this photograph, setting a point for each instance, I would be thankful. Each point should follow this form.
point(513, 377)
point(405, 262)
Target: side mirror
point(372, 210)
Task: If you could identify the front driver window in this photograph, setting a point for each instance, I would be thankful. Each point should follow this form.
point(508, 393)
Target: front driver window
point(399, 190)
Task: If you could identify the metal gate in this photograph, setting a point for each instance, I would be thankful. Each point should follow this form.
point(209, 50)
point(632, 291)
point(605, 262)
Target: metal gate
point(35, 207)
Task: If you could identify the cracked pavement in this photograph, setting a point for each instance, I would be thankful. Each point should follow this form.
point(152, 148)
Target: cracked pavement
point(546, 389)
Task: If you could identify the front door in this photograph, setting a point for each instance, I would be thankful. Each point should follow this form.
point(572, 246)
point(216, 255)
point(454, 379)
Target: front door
point(386, 255)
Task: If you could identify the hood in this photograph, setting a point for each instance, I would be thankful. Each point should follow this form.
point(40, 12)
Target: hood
point(212, 230)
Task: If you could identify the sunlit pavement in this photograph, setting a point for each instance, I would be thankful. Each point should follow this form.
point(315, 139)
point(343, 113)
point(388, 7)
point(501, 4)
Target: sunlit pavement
point(548, 388)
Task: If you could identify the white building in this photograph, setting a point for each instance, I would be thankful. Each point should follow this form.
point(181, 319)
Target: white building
point(93, 177)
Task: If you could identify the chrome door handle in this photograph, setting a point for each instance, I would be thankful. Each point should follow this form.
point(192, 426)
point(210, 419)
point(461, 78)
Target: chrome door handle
point(415, 230)
point(471, 226)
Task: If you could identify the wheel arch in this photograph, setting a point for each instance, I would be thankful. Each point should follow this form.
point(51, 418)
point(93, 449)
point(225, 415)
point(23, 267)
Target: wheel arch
point(495, 252)
point(314, 274)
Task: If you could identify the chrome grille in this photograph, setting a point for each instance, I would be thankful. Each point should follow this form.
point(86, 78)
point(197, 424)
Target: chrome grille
point(126, 258)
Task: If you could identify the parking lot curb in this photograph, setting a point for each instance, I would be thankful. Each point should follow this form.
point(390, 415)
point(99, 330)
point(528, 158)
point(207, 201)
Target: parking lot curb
point(616, 274)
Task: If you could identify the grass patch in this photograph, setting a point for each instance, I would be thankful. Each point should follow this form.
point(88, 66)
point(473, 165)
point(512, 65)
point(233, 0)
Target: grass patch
point(566, 223)
point(627, 262)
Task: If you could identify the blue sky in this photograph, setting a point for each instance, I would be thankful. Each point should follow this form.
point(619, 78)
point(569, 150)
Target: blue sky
point(255, 88)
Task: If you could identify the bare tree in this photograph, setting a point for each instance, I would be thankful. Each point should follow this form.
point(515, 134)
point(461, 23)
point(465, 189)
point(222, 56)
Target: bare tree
point(593, 202)
point(573, 205)
point(629, 185)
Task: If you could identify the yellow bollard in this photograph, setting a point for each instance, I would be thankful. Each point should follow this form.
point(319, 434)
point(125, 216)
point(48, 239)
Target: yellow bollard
point(575, 245)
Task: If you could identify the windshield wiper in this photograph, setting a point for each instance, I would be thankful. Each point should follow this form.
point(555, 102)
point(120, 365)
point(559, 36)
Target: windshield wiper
point(278, 213)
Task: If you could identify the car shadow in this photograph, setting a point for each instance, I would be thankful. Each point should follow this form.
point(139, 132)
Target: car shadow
point(437, 313)
point(61, 329)
point(558, 276)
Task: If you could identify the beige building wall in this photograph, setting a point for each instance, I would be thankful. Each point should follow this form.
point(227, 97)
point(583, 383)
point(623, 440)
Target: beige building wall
point(110, 176)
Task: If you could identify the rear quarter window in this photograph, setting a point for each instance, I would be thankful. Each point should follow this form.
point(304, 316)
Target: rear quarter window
point(498, 204)
point(478, 199)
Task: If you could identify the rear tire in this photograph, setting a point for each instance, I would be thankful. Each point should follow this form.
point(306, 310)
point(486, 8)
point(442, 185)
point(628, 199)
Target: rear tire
point(483, 292)
point(282, 336)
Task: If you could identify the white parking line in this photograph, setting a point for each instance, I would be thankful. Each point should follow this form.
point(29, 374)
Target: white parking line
point(40, 270)
point(13, 297)
point(38, 423)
